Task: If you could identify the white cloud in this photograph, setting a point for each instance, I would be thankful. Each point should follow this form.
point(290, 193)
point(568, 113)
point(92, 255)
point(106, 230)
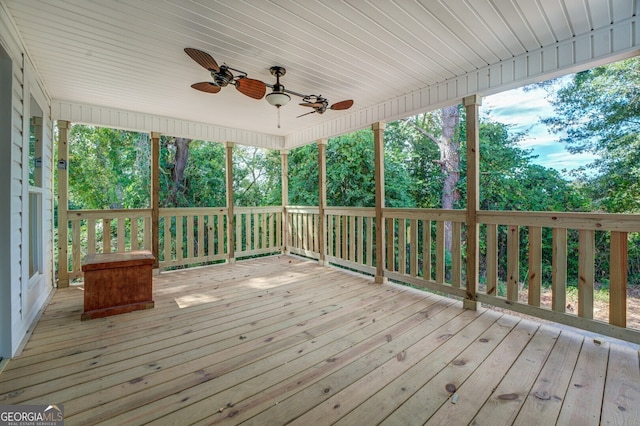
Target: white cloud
point(522, 111)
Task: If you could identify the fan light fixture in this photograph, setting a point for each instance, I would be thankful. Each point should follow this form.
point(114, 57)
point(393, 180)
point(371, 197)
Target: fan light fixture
point(278, 99)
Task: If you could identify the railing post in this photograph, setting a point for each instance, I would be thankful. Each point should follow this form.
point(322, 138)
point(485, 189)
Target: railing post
point(284, 156)
point(471, 104)
point(63, 197)
point(322, 200)
point(618, 265)
point(378, 148)
point(155, 198)
point(231, 241)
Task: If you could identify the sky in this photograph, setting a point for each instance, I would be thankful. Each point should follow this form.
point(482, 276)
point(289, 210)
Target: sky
point(523, 110)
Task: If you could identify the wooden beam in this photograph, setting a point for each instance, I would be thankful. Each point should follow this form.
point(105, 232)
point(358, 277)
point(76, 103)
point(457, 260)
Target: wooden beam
point(378, 148)
point(231, 241)
point(63, 199)
point(472, 104)
point(284, 166)
point(322, 199)
point(155, 198)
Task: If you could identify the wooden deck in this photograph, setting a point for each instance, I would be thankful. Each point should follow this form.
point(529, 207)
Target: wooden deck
point(279, 340)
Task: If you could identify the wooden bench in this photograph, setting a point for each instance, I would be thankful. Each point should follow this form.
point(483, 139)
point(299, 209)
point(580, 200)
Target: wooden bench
point(115, 283)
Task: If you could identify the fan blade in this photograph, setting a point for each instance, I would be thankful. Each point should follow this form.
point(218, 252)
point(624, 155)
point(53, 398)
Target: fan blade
point(203, 58)
point(342, 105)
point(311, 112)
point(206, 86)
point(253, 88)
point(312, 104)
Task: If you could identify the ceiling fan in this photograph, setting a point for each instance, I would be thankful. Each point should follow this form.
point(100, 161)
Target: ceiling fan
point(222, 76)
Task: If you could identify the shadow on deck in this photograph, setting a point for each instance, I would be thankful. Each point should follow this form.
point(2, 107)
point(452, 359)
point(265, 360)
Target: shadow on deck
point(279, 339)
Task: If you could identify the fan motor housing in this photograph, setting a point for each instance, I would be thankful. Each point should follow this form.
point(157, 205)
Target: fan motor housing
point(222, 77)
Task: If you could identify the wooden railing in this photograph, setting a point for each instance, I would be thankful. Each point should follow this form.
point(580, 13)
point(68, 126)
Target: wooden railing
point(187, 236)
point(303, 231)
point(192, 236)
point(105, 231)
point(258, 230)
point(416, 248)
point(199, 235)
point(560, 250)
point(351, 237)
point(567, 237)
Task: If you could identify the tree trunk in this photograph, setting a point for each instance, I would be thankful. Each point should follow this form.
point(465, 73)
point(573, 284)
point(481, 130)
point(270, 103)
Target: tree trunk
point(177, 172)
point(449, 146)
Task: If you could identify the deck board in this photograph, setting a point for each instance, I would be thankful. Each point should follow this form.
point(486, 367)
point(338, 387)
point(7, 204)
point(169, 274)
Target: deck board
point(283, 340)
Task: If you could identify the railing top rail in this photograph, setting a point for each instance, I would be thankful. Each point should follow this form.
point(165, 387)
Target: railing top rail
point(430, 214)
point(107, 214)
point(302, 209)
point(186, 211)
point(351, 211)
point(587, 221)
point(267, 209)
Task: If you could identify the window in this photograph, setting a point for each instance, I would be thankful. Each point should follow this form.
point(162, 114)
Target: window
point(36, 254)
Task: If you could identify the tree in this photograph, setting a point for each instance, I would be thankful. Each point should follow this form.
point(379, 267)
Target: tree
point(108, 168)
point(598, 111)
point(196, 179)
point(442, 128)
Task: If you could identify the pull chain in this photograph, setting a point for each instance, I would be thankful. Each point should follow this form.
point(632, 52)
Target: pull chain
point(278, 117)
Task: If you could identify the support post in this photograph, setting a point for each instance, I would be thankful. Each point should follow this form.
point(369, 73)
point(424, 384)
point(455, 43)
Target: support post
point(155, 198)
point(63, 202)
point(471, 104)
point(231, 229)
point(322, 200)
point(378, 148)
point(284, 158)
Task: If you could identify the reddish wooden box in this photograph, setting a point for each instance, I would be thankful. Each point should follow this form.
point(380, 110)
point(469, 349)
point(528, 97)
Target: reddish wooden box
point(115, 283)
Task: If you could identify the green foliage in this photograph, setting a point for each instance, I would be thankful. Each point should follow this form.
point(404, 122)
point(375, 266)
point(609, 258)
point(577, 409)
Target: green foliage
point(303, 176)
point(598, 112)
point(418, 179)
point(256, 177)
point(350, 170)
point(108, 168)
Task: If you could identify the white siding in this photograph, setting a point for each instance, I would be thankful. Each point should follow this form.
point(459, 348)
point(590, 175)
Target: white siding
point(17, 314)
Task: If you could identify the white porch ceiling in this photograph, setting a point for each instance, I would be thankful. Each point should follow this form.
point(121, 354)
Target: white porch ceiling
point(127, 55)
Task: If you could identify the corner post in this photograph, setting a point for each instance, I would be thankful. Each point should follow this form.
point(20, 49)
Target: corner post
point(471, 104)
point(378, 148)
point(284, 162)
point(322, 200)
point(155, 198)
point(63, 200)
point(231, 229)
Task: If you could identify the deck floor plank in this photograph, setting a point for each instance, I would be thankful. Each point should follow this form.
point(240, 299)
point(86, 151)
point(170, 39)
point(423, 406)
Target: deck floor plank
point(543, 403)
point(583, 402)
point(474, 392)
point(187, 375)
point(621, 403)
point(139, 338)
point(249, 400)
point(173, 354)
point(358, 377)
point(507, 399)
point(281, 340)
point(270, 371)
point(414, 400)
